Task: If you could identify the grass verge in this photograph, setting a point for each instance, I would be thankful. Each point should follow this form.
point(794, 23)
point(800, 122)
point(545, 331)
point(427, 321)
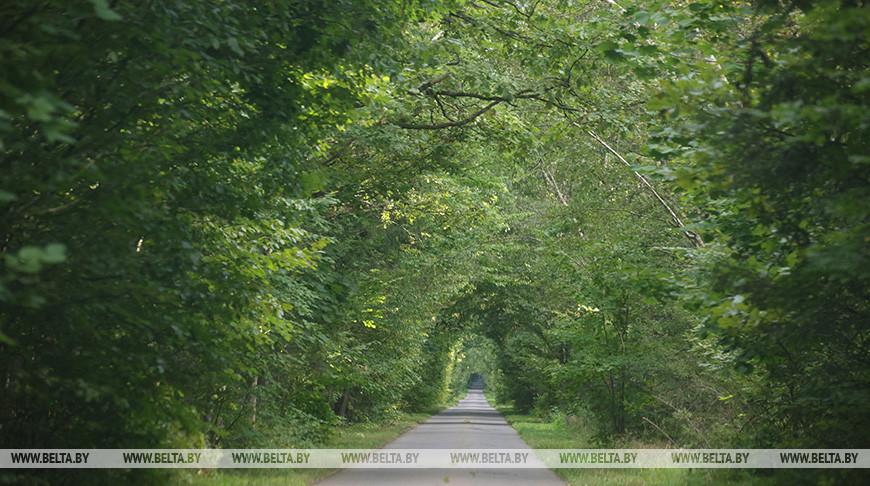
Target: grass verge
point(564, 433)
point(356, 436)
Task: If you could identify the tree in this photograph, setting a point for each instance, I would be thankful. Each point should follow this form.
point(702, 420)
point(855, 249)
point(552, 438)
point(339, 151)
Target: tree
point(778, 152)
point(159, 226)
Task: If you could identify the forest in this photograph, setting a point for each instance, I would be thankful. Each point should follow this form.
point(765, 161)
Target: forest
point(230, 224)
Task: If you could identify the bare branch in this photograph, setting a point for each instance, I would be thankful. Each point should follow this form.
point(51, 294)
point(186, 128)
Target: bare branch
point(432, 82)
point(439, 126)
point(693, 237)
point(466, 94)
point(337, 155)
point(660, 430)
point(508, 34)
point(552, 182)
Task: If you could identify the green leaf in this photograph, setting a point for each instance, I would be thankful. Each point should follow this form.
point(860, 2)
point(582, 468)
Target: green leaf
point(234, 45)
point(642, 17)
point(31, 259)
point(6, 196)
point(54, 253)
point(311, 183)
point(103, 11)
point(4, 339)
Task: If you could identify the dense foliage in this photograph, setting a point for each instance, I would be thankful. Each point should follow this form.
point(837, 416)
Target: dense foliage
point(234, 225)
point(781, 176)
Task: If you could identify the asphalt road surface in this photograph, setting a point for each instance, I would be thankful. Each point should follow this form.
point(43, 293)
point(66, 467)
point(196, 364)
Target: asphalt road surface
point(472, 424)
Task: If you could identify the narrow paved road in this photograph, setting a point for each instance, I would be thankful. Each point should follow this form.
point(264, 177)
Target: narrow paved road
point(472, 424)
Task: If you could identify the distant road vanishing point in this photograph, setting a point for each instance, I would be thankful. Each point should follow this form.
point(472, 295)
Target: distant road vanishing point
point(472, 424)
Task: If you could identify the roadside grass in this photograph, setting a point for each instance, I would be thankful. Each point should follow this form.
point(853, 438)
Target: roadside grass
point(356, 436)
point(562, 433)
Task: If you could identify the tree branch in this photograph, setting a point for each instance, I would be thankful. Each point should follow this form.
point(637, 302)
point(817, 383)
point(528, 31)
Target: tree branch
point(439, 126)
point(508, 34)
point(552, 182)
point(660, 430)
point(693, 237)
point(432, 82)
point(466, 94)
point(337, 154)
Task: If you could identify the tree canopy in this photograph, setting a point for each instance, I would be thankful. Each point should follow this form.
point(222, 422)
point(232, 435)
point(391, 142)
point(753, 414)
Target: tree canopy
point(232, 224)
